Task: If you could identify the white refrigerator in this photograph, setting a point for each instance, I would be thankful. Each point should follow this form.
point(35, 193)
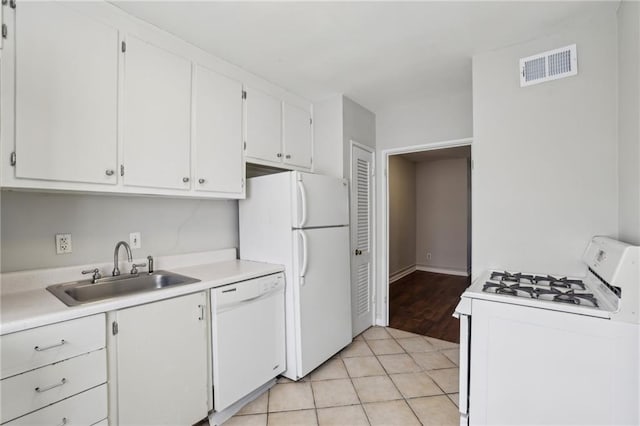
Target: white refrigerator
point(301, 220)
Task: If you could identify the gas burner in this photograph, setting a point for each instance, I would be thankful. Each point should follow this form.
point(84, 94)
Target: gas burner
point(563, 282)
point(575, 298)
point(512, 277)
point(513, 289)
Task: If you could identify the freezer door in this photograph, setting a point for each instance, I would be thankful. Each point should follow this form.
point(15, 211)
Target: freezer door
point(319, 200)
point(323, 294)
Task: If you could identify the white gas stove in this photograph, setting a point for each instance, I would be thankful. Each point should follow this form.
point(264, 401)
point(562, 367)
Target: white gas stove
point(547, 349)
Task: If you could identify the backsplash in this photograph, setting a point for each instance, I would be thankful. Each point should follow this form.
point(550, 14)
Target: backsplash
point(30, 221)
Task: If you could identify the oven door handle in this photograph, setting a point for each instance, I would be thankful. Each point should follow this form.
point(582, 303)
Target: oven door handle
point(465, 343)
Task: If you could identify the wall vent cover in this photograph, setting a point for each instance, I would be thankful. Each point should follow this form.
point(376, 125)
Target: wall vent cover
point(550, 65)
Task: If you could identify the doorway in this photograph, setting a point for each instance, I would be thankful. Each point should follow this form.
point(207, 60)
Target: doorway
point(428, 243)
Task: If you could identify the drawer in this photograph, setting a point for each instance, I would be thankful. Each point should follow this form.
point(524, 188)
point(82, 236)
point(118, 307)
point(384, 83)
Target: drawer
point(27, 392)
point(86, 408)
point(26, 350)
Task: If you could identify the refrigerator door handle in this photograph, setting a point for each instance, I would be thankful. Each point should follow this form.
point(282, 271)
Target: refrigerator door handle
point(305, 256)
point(303, 202)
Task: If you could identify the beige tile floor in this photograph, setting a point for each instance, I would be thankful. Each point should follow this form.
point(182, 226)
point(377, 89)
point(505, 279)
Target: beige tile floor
point(385, 377)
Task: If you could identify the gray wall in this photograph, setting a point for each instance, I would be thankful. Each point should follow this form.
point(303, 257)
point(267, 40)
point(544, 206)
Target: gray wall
point(442, 214)
point(629, 120)
point(402, 214)
point(542, 221)
point(169, 226)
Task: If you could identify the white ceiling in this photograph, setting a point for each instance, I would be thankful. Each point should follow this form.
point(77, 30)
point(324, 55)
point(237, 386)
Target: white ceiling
point(376, 53)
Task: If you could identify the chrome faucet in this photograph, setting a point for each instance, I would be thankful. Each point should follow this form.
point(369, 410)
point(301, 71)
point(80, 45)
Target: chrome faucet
point(116, 270)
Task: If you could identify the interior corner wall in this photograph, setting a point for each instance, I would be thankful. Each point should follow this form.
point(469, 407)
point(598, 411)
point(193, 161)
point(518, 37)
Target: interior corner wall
point(402, 214)
point(545, 176)
point(327, 137)
point(629, 121)
point(30, 220)
point(442, 204)
point(359, 125)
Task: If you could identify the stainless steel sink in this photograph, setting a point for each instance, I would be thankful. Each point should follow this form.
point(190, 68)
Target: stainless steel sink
point(81, 292)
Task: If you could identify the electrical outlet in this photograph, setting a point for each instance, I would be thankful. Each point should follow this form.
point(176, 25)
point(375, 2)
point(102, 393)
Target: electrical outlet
point(63, 243)
point(428, 255)
point(134, 240)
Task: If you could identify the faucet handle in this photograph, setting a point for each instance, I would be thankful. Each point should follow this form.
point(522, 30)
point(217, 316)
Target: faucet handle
point(95, 272)
point(135, 266)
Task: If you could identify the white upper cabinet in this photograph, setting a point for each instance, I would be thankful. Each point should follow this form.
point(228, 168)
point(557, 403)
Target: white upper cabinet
point(93, 100)
point(277, 133)
point(156, 117)
point(296, 138)
point(264, 126)
point(66, 91)
point(217, 133)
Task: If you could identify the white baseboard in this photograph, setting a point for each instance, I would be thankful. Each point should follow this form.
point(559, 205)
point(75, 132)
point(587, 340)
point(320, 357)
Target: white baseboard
point(401, 273)
point(446, 271)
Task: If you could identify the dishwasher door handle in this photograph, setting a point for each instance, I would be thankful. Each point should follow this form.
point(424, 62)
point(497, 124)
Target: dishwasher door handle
point(235, 304)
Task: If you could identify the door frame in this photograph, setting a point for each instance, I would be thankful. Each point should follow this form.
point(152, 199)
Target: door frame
point(384, 195)
point(372, 239)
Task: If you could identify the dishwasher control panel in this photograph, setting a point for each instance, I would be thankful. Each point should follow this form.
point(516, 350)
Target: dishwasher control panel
point(248, 290)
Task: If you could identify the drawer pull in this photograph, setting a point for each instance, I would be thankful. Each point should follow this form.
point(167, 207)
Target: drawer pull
point(46, 388)
point(46, 348)
point(64, 421)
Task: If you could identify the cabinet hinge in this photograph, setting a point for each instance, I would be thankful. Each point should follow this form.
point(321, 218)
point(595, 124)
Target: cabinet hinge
point(311, 160)
point(242, 182)
point(244, 94)
point(13, 158)
point(245, 145)
point(12, 4)
point(4, 30)
point(124, 46)
point(373, 170)
point(114, 328)
point(121, 169)
point(310, 121)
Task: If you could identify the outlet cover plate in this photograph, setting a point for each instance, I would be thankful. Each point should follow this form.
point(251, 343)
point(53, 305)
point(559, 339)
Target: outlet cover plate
point(63, 244)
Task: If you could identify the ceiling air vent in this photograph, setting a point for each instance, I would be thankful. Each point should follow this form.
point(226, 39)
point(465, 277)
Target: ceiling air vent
point(547, 66)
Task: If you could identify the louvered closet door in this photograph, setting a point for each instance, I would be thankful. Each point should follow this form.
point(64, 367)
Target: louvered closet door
point(361, 238)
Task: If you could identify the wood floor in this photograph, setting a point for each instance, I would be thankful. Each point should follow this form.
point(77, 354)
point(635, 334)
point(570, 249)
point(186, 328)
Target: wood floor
point(422, 303)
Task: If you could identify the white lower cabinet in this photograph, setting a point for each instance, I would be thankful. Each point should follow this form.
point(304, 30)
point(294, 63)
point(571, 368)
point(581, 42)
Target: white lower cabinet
point(52, 372)
point(161, 359)
point(86, 408)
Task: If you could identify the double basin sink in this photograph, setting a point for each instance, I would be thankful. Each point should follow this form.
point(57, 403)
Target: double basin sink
point(85, 291)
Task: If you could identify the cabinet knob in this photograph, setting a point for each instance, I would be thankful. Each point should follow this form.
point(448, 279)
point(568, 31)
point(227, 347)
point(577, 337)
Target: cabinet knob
point(201, 181)
point(279, 155)
point(185, 179)
point(287, 156)
point(109, 172)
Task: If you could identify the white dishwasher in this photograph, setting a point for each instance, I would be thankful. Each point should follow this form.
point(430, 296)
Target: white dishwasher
point(248, 337)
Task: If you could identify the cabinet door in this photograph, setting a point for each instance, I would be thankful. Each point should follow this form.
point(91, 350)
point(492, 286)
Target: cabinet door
point(264, 126)
point(162, 362)
point(217, 132)
point(297, 136)
point(157, 113)
point(66, 95)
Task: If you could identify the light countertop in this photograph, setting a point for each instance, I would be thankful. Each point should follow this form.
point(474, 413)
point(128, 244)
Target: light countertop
point(35, 307)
